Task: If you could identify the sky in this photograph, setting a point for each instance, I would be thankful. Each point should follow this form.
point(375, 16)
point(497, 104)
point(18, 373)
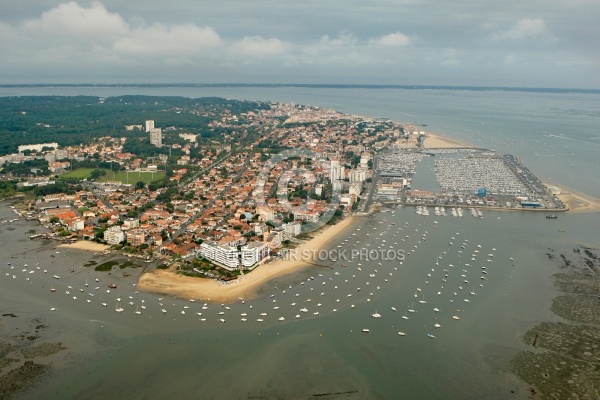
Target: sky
point(510, 43)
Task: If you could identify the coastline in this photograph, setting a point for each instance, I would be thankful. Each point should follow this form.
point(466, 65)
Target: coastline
point(436, 141)
point(576, 201)
point(246, 287)
point(86, 245)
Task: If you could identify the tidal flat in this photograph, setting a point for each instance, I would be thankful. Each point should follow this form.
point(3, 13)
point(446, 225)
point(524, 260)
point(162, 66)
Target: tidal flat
point(564, 359)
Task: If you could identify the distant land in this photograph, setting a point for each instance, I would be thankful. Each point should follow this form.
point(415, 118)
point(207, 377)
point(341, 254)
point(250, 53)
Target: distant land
point(309, 85)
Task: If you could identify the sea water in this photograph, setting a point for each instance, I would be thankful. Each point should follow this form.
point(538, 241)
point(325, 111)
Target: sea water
point(155, 355)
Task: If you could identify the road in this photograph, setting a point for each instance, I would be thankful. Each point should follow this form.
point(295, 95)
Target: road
point(373, 187)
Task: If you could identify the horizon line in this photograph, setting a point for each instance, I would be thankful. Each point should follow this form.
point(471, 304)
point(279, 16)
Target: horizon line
point(306, 85)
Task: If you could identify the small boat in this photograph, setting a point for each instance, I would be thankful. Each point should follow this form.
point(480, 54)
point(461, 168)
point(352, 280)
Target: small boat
point(455, 317)
point(365, 330)
point(401, 333)
point(431, 335)
point(56, 277)
point(53, 309)
point(437, 326)
point(551, 216)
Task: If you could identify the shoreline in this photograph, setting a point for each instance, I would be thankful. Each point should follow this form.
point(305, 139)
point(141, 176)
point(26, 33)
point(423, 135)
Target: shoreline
point(86, 245)
point(437, 141)
point(248, 285)
point(575, 200)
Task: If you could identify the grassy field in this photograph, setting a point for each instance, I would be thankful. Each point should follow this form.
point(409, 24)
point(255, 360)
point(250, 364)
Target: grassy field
point(80, 173)
point(121, 176)
point(132, 177)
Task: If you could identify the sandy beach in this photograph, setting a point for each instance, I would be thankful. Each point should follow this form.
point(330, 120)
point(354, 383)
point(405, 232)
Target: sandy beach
point(168, 282)
point(87, 246)
point(577, 201)
point(433, 141)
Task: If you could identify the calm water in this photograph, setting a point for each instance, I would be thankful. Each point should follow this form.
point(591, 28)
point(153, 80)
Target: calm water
point(118, 355)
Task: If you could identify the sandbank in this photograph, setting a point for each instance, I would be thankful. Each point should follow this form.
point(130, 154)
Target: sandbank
point(87, 246)
point(246, 286)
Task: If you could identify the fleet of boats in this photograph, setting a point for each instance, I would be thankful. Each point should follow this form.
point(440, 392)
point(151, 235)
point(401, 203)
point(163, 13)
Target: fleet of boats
point(436, 281)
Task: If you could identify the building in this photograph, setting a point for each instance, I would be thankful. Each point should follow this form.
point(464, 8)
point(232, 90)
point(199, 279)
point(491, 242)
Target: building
point(292, 228)
point(347, 200)
point(253, 254)
point(310, 216)
point(190, 137)
point(58, 165)
point(355, 188)
point(358, 175)
point(337, 171)
point(131, 223)
point(136, 237)
point(156, 137)
point(149, 125)
point(114, 235)
point(265, 213)
point(319, 189)
point(61, 154)
point(222, 255)
point(36, 147)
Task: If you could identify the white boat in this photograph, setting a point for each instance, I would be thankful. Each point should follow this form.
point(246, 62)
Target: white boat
point(455, 317)
point(365, 330)
point(376, 314)
point(401, 333)
point(281, 318)
point(437, 325)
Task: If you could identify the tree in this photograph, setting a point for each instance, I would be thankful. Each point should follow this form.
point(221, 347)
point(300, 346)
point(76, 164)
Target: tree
point(139, 185)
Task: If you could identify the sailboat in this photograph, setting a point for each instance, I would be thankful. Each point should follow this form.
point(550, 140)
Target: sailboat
point(118, 308)
point(423, 300)
point(376, 315)
point(412, 308)
point(138, 312)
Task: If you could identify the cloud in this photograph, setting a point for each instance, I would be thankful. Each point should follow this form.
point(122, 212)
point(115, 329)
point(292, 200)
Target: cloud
point(524, 29)
point(159, 39)
point(343, 38)
point(393, 39)
point(72, 19)
point(259, 46)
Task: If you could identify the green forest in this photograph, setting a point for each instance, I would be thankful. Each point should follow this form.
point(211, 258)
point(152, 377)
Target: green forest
point(74, 120)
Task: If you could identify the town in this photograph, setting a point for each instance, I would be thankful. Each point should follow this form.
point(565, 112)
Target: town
point(257, 183)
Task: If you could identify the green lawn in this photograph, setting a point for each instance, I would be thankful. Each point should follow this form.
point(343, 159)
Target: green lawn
point(79, 173)
point(132, 177)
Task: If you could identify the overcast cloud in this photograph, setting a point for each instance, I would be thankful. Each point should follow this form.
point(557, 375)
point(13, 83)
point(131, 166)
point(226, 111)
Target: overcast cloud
point(535, 43)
